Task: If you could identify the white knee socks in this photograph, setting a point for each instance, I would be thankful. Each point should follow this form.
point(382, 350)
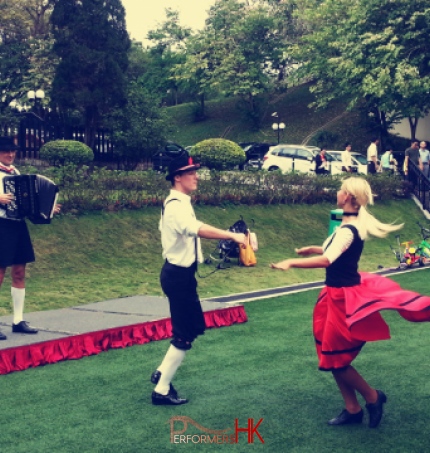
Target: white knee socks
point(168, 367)
point(18, 296)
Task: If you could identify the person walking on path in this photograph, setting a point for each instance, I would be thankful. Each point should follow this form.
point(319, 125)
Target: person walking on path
point(321, 163)
point(372, 156)
point(346, 158)
point(346, 314)
point(387, 162)
point(425, 158)
point(16, 249)
point(180, 239)
point(413, 154)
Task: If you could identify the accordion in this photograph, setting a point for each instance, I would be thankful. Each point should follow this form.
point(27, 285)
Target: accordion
point(35, 197)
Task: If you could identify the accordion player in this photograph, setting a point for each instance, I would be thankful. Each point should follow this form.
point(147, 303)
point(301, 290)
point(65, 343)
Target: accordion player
point(35, 197)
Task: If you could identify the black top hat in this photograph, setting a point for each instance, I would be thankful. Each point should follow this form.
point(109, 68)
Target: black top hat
point(7, 144)
point(182, 163)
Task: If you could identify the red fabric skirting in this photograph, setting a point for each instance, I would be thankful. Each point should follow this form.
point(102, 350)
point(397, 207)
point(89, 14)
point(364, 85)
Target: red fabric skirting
point(78, 346)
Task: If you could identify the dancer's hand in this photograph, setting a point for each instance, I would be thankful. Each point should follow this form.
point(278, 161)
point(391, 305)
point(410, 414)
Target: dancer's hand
point(240, 238)
point(282, 265)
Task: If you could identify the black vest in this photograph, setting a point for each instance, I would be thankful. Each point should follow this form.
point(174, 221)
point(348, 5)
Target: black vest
point(344, 271)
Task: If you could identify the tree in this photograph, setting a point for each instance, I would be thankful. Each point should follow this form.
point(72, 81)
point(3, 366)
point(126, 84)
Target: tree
point(356, 52)
point(91, 41)
point(230, 55)
point(14, 57)
point(169, 48)
point(25, 47)
point(139, 127)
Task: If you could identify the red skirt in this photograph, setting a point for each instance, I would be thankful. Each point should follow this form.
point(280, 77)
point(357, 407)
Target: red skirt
point(345, 318)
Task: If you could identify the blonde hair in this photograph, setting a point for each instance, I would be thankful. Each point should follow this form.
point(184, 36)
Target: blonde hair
point(361, 196)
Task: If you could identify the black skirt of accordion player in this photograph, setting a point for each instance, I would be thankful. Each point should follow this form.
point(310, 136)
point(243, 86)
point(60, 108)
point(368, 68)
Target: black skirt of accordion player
point(15, 245)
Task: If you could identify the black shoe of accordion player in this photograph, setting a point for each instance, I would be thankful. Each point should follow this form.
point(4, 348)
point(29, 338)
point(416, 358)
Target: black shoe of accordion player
point(23, 327)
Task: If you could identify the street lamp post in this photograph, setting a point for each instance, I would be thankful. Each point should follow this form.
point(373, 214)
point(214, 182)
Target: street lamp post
point(278, 126)
point(34, 97)
point(31, 134)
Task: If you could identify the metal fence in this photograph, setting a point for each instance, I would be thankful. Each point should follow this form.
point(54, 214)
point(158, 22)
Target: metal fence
point(420, 185)
point(32, 133)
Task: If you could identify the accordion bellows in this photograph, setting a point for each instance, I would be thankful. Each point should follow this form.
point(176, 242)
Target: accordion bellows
point(35, 197)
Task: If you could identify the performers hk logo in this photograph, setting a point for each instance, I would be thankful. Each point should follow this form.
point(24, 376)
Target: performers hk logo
point(212, 436)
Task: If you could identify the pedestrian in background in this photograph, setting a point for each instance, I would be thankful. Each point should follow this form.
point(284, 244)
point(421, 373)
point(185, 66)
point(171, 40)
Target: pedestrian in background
point(321, 163)
point(346, 158)
point(387, 162)
point(425, 158)
point(372, 156)
point(412, 154)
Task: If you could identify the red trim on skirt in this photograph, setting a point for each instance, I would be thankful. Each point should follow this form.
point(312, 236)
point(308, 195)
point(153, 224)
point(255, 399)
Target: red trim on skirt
point(345, 318)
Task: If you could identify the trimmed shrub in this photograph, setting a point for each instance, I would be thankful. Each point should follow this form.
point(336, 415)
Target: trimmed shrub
point(63, 152)
point(218, 154)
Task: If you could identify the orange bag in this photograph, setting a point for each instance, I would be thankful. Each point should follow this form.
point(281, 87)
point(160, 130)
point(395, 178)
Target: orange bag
point(246, 254)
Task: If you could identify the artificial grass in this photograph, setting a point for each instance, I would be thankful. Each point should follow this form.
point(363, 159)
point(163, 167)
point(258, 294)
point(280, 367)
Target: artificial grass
point(266, 368)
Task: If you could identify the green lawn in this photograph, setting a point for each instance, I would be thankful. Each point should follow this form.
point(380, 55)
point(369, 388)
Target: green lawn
point(99, 256)
point(264, 369)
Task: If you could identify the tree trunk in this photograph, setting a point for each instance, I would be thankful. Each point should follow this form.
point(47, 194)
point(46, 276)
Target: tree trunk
point(413, 123)
point(91, 123)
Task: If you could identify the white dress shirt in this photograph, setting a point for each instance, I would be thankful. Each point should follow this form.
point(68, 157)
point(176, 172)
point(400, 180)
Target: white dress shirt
point(179, 230)
point(372, 151)
point(346, 159)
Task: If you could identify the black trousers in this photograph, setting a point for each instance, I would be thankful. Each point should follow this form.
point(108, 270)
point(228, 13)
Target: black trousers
point(180, 286)
point(371, 167)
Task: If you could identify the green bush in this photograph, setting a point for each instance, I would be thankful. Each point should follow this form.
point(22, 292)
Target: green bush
point(63, 152)
point(84, 189)
point(218, 153)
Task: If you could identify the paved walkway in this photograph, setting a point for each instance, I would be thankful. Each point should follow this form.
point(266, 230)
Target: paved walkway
point(67, 322)
point(126, 311)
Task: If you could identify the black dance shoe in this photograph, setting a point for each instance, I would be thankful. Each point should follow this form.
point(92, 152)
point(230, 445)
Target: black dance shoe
point(2, 336)
point(23, 327)
point(376, 410)
point(155, 377)
point(171, 399)
point(346, 418)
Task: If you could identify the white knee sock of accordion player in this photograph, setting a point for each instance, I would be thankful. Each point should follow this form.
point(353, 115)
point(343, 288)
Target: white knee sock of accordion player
point(168, 368)
point(18, 297)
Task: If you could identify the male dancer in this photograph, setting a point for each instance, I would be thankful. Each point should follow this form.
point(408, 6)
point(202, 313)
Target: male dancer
point(180, 239)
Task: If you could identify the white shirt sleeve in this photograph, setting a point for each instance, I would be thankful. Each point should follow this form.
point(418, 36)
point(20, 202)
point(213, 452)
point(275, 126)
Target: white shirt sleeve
point(342, 239)
point(182, 219)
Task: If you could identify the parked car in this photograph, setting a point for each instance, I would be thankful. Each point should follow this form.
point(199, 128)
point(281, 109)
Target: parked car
point(255, 153)
point(163, 156)
point(359, 162)
point(289, 158)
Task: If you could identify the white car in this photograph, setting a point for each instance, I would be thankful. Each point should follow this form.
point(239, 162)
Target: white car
point(359, 162)
point(288, 158)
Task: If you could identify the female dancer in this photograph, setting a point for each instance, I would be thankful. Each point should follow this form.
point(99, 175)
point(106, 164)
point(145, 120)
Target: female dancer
point(346, 314)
